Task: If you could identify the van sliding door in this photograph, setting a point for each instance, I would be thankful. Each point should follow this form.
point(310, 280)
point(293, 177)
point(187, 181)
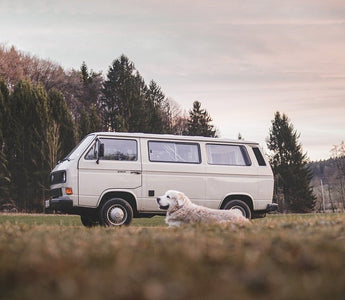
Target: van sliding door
point(170, 165)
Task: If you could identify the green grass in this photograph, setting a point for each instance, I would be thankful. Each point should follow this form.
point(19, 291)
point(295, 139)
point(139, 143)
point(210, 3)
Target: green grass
point(67, 220)
point(278, 257)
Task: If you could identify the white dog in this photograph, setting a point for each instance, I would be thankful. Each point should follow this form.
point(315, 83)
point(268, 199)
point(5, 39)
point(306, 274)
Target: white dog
point(182, 211)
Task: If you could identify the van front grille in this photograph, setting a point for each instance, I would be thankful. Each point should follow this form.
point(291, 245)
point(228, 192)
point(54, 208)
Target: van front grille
point(55, 193)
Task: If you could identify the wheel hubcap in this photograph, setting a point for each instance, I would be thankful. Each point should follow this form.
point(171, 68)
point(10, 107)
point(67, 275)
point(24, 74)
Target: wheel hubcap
point(116, 215)
point(238, 210)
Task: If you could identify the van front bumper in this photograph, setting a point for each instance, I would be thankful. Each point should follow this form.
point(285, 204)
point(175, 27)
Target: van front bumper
point(64, 204)
point(271, 207)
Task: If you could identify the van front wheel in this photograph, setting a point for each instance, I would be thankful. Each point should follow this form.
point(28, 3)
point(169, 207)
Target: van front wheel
point(89, 221)
point(239, 206)
point(116, 212)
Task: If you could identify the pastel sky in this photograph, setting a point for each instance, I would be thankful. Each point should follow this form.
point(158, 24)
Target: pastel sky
point(243, 60)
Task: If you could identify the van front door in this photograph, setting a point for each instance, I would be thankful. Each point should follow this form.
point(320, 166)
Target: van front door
point(118, 169)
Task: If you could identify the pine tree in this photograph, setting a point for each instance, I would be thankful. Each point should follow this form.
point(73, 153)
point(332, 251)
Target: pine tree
point(117, 94)
point(199, 122)
point(124, 103)
point(156, 107)
point(92, 85)
point(292, 176)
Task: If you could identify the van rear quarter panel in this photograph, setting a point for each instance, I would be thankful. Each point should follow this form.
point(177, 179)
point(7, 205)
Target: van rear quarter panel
point(253, 181)
point(222, 181)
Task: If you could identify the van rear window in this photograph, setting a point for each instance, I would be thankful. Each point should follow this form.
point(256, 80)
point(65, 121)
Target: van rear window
point(228, 155)
point(174, 152)
point(259, 157)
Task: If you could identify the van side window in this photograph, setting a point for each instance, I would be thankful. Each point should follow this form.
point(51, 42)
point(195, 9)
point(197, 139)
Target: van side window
point(229, 155)
point(259, 157)
point(116, 149)
point(174, 152)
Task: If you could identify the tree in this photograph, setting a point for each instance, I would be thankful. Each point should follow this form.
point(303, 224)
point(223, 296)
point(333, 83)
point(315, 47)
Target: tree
point(61, 122)
point(289, 164)
point(79, 88)
point(199, 122)
point(157, 107)
point(4, 173)
point(117, 93)
point(177, 119)
point(92, 87)
point(128, 104)
point(26, 145)
point(89, 122)
point(338, 156)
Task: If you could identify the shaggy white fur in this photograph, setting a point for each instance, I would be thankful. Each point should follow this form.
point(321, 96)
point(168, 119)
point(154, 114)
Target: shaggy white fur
point(180, 210)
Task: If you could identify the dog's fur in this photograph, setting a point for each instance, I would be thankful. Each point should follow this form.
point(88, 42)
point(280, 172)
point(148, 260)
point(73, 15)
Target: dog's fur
point(180, 210)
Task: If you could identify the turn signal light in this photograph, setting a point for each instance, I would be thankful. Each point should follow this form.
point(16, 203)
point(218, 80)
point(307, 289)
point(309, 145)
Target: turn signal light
point(69, 191)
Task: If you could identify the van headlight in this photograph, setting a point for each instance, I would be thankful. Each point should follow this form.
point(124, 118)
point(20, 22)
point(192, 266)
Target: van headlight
point(58, 177)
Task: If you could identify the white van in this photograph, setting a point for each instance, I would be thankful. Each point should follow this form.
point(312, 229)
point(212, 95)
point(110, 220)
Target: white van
point(109, 178)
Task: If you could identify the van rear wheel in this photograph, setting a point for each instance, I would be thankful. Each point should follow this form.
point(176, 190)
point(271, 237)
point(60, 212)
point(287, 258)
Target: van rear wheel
point(239, 206)
point(116, 212)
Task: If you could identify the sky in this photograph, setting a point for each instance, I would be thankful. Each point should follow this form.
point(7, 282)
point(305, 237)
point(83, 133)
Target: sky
point(242, 59)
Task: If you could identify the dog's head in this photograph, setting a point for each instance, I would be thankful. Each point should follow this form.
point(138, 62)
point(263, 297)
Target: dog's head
point(171, 200)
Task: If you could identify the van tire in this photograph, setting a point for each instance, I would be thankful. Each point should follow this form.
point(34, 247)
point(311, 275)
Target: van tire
point(88, 221)
point(241, 206)
point(116, 212)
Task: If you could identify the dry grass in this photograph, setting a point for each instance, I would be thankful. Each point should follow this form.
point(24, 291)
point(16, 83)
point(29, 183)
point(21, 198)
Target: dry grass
point(279, 257)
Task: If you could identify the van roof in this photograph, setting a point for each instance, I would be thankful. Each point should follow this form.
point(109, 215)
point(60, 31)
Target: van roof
point(173, 137)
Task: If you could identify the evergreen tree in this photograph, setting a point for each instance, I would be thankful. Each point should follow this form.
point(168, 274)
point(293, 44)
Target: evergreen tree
point(95, 120)
point(62, 123)
point(156, 105)
point(199, 122)
point(116, 94)
point(92, 85)
point(130, 105)
point(26, 145)
point(84, 124)
point(4, 173)
point(292, 176)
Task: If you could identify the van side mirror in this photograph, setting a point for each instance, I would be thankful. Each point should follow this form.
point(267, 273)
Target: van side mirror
point(100, 152)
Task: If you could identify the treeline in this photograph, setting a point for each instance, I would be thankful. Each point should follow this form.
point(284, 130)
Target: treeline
point(45, 110)
point(329, 180)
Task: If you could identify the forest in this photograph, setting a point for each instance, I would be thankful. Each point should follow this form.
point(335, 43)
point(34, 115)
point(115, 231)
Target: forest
point(45, 110)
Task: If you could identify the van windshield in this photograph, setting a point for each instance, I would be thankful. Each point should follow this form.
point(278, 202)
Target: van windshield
point(80, 148)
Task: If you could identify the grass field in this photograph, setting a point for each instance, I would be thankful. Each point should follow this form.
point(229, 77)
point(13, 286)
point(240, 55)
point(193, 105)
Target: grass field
point(278, 257)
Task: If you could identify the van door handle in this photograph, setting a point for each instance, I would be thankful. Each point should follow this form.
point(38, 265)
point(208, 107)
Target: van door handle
point(136, 172)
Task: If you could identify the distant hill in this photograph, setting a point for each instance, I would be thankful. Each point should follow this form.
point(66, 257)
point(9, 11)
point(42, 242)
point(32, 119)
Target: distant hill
point(331, 193)
point(323, 169)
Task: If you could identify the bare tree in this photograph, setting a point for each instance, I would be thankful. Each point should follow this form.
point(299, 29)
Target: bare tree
point(178, 117)
point(338, 154)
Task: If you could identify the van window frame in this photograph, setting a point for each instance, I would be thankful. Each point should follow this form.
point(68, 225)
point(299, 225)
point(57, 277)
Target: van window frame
point(116, 139)
point(243, 150)
point(175, 142)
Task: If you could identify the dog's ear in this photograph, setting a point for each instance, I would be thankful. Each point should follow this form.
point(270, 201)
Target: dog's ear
point(180, 199)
